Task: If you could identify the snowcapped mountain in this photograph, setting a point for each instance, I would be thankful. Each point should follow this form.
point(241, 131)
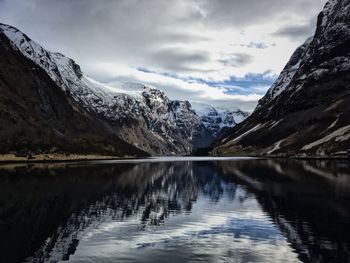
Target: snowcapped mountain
point(307, 110)
point(141, 115)
point(219, 119)
point(38, 117)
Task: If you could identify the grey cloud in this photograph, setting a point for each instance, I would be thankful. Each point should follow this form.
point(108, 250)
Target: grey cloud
point(247, 12)
point(143, 34)
point(257, 45)
point(237, 60)
point(297, 32)
point(133, 31)
point(183, 38)
point(180, 60)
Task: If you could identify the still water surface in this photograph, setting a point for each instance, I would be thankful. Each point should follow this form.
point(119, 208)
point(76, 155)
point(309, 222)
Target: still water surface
point(176, 210)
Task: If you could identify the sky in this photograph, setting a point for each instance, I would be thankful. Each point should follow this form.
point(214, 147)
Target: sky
point(220, 52)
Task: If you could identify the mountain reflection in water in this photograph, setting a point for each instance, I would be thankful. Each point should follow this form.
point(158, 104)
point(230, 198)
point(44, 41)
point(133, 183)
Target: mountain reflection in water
point(176, 211)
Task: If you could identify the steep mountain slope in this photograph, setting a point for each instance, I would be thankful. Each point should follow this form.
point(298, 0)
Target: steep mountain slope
point(307, 110)
point(139, 114)
point(287, 74)
point(37, 116)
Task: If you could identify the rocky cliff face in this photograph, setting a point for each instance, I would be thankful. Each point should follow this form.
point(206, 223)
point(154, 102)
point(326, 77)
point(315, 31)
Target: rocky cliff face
point(307, 110)
point(287, 74)
point(139, 114)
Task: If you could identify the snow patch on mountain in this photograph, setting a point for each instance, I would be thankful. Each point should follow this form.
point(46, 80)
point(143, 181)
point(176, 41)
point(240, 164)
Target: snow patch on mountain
point(339, 135)
point(218, 118)
point(287, 74)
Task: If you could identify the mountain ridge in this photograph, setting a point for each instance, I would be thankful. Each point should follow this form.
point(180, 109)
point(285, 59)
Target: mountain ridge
point(37, 116)
point(310, 116)
point(139, 114)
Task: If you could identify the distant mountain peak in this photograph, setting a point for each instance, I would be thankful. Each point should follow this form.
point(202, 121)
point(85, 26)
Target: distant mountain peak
point(219, 119)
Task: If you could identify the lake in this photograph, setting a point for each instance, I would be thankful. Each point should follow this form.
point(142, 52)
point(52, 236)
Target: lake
point(176, 210)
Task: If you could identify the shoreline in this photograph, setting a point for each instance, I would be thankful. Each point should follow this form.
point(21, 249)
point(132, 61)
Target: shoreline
point(64, 158)
point(292, 157)
point(59, 158)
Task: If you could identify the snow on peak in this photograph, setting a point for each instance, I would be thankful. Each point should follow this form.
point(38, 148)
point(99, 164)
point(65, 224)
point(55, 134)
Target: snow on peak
point(218, 118)
point(202, 109)
point(30, 49)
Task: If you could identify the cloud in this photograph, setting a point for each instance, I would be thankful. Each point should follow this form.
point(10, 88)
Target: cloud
point(248, 12)
point(297, 31)
point(258, 45)
point(180, 89)
point(237, 59)
point(202, 46)
point(175, 59)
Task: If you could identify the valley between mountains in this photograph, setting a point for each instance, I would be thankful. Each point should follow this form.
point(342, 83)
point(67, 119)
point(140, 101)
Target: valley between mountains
point(49, 106)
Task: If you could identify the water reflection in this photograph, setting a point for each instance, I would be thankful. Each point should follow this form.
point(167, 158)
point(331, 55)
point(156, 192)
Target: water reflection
point(184, 211)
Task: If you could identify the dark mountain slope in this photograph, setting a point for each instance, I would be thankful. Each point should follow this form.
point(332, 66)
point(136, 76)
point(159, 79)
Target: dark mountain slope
point(307, 110)
point(36, 116)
